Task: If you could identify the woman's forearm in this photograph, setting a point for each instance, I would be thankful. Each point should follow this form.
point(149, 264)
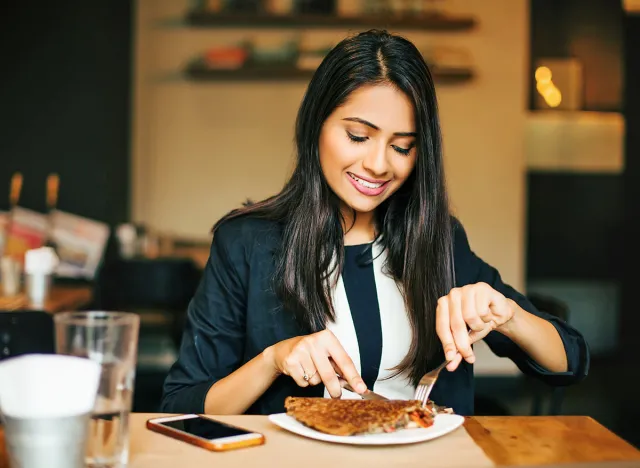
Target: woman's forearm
point(239, 390)
point(536, 337)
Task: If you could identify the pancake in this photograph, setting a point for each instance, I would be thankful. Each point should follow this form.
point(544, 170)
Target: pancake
point(352, 417)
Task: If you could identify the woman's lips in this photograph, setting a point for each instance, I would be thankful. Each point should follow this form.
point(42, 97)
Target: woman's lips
point(367, 186)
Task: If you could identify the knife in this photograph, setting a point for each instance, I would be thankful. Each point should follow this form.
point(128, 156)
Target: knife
point(367, 395)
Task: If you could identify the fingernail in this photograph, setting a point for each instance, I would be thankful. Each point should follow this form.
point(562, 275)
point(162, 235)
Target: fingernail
point(471, 359)
point(361, 387)
point(450, 355)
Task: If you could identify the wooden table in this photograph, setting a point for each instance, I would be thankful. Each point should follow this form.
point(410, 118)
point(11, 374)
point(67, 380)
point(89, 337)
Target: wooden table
point(507, 441)
point(62, 298)
point(531, 440)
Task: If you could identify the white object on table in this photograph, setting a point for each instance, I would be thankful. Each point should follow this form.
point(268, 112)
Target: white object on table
point(39, 266)
point(46, 403)
point(442, 424)
point(127, 240)
point(48, 385)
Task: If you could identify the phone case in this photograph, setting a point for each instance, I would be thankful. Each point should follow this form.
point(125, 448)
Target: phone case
point(152, 425)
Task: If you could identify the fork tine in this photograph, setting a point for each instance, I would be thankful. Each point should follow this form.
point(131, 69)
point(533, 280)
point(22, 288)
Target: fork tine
point(426, 383)
point(425, 397)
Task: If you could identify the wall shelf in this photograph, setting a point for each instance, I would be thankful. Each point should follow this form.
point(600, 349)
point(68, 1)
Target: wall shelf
point(199, 72)
point(433, 22)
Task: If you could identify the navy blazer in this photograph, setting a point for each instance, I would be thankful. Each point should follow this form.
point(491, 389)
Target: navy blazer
point(235, 315)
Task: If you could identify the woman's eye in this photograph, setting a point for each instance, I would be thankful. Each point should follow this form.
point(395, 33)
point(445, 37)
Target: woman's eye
point(403, 151)
point(355, 138)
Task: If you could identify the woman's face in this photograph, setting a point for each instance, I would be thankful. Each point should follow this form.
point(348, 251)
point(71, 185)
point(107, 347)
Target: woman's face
point(367, 146)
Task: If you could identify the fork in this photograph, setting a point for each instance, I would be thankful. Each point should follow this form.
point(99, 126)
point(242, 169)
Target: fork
point(428, 380)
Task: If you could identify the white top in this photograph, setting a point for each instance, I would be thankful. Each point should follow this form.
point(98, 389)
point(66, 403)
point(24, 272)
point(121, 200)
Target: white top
point(374, 339)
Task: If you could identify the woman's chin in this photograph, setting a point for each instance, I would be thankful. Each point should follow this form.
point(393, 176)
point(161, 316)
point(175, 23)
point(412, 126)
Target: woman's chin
point(362, 206)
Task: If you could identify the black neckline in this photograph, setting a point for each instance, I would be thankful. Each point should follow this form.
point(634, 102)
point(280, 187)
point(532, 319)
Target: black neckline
point(366, 244)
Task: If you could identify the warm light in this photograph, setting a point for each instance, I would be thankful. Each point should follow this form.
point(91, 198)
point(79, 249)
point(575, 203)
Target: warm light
point(553, 98)
point(543, 87)
point(546, 88)
point(543, 75)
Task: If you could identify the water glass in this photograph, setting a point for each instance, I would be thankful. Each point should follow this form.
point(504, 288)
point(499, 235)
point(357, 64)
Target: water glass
point(38, 287)
point(10, 273)
point(111, 339)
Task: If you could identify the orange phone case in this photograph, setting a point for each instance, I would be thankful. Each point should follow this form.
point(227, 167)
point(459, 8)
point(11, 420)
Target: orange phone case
point(203, 443)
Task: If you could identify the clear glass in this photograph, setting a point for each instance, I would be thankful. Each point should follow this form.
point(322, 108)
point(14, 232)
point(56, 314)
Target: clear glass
point(111, 339)
point(38, 288)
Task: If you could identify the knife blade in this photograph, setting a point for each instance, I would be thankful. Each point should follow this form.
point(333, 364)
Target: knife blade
point(367, 395)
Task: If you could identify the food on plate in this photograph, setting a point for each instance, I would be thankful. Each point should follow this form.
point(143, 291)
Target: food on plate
point(437, 409)
point(352, 417)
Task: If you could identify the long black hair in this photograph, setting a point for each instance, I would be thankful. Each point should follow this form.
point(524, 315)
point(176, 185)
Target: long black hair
point(413, 224)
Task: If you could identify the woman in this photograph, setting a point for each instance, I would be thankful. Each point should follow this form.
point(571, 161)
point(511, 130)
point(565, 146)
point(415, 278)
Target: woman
point(356, 268)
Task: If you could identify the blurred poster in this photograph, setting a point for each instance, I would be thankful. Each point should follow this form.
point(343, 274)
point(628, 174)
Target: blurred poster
point(80, 244)
point(25, 229)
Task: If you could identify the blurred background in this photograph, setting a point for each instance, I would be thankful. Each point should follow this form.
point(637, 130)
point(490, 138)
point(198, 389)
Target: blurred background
point(129, 127)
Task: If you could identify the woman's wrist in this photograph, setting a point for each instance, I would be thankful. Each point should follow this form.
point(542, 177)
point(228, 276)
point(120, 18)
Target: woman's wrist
point(243, 386)
point(537, 337)
point(269, 359)
point(512, 327)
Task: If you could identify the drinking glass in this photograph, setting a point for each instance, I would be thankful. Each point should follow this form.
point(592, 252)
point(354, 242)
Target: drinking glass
point(111, 339)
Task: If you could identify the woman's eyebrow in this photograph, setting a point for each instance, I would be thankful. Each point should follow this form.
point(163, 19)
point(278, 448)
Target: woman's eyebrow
point(375, 127)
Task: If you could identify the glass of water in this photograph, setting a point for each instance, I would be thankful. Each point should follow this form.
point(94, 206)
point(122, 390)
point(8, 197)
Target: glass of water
point(111, 339)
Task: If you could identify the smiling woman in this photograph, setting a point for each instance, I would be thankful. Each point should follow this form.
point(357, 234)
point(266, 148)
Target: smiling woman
point(374, 158)
point(347, 274)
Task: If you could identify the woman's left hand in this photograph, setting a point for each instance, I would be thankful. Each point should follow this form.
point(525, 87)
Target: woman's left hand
point(477, 307)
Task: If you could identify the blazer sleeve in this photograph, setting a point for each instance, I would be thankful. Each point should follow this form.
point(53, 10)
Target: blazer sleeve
point(212, 346)
point(470, 269)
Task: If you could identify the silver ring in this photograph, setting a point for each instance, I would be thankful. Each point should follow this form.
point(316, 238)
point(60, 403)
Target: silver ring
point(308, 377)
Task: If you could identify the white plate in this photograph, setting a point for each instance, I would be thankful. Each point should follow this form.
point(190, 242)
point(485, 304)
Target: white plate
point(443, 424)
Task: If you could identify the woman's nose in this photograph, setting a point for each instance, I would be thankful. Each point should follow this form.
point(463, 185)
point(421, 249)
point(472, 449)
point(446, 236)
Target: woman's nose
point(376, 161)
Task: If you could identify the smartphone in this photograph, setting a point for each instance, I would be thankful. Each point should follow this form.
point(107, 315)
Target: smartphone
point(204, 432)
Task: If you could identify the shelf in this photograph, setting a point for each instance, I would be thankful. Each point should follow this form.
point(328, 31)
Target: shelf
point(199, 72)
point(562, 114)
point(273, 73)
point(433, 22)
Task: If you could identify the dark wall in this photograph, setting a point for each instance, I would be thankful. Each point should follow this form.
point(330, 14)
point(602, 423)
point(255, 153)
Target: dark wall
point(575, 226)
point(65, 103)
point(589, 30)
point(631, 267)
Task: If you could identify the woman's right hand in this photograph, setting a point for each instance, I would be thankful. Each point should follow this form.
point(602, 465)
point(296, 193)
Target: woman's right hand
point(315, 359)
